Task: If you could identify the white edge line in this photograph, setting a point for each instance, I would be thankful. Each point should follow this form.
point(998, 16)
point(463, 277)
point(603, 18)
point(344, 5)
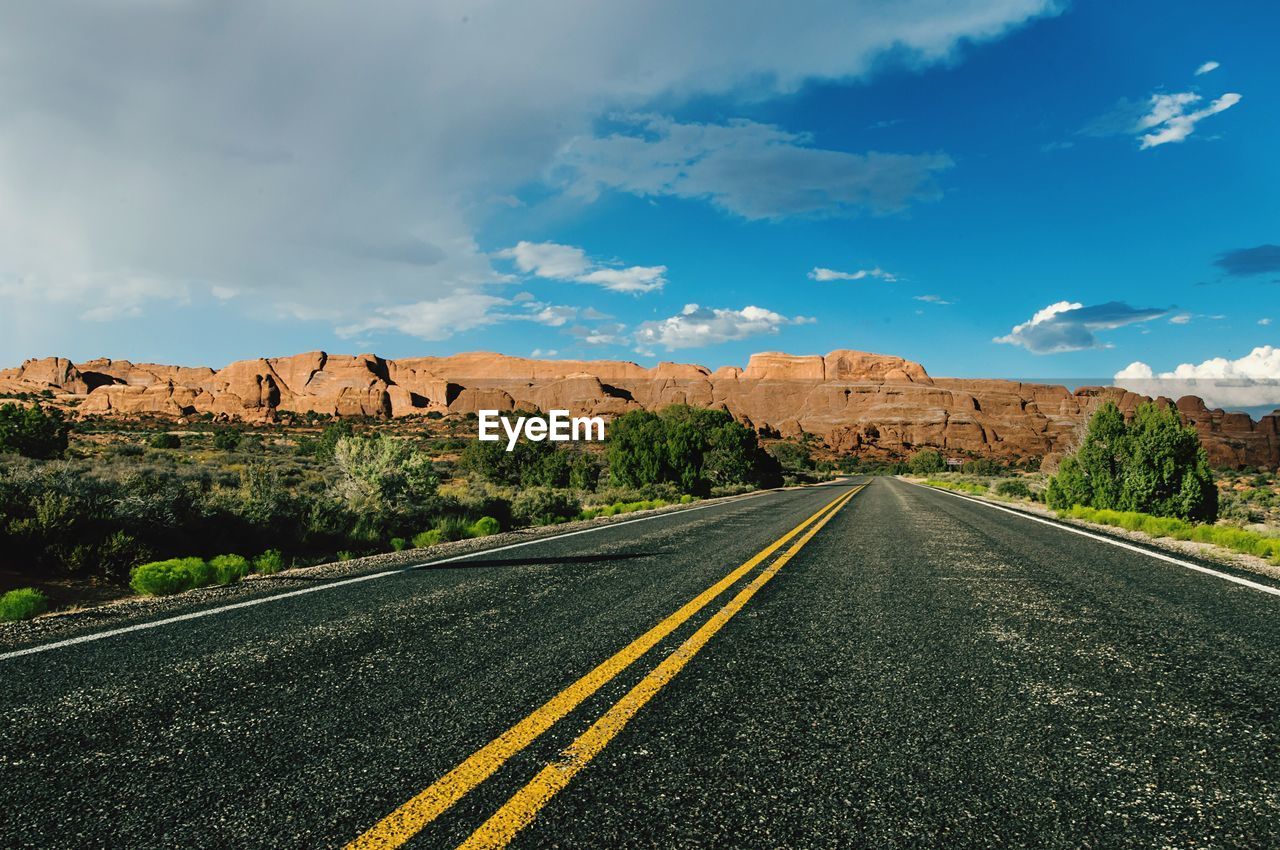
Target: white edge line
point(209, 612)
point(1160, 556)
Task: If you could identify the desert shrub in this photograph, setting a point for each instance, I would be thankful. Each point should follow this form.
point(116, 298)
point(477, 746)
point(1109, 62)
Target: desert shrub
point(927, 461)
point(1152, 465)
point(981, 466)
point(484, 527)
point(399, 544)
point(162, 578)
point(544, 506)
point(229, 569)
point(32, 431)
point(426, 538)
point(1013, 488)
point(269, 562)
point(689, 448)
point(584, 471)
point(226, 439)
point(452, 528)
point(22, 604)
point(165, 440)
point(792, 456)
point(384, 480)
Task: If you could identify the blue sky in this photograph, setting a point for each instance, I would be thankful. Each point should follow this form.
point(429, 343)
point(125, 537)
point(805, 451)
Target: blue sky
point(1028, 189)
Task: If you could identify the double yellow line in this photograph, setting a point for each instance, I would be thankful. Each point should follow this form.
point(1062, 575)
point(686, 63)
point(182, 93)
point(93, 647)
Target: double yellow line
point(409, 819)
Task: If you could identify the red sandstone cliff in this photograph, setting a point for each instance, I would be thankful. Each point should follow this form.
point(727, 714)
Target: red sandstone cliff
point(851, 399)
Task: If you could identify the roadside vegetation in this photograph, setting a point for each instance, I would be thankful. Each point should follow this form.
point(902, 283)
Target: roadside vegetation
point(1152, 464)
point(158, 507)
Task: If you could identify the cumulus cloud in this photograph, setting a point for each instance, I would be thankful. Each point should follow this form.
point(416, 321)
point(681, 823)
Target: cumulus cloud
point(753, 170)
point(822, 274)
point(548, 259)
point(1250, 381)
point(565, 262)
point(698, 326)
point(1071, 326)
point(1260, 259)
point(1207, 67)
point(315, 154)
point(932, 299)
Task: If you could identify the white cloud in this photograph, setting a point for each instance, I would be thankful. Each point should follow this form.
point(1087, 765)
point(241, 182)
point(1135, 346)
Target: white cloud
point(565, 262)
point(440, 318)
point(932, 299)
point(1250, 381)
point(753, 170)
point(324, 155)
point(548, 259)
point(1264, 322)
point(1207, 67)
point(538, 352)
point(698, 326)
point(634, 279)
point(822, 274)
point(436, 319)
point(1169, 120)
point(1180, 319)
point(1071, 326)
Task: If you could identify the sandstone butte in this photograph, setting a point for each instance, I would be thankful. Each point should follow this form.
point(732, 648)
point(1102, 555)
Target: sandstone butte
point(852, 400)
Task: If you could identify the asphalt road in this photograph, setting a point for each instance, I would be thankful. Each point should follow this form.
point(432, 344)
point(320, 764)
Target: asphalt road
point(910, 670)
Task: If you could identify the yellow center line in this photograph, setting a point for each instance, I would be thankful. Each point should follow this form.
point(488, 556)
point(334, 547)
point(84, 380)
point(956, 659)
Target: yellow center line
point(523, 806)
point(410, 818)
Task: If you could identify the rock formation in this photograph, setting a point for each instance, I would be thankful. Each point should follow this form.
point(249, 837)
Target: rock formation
point(852, 400)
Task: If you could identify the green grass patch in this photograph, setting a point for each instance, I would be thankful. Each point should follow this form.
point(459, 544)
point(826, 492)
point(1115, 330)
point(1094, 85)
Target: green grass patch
point(22, 604)
point(1236, 539)
point(628, 507)
point(959, 486)
point(229, 569)
point(269, 562)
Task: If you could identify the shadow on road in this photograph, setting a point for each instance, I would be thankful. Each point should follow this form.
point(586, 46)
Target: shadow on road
point(521, 562)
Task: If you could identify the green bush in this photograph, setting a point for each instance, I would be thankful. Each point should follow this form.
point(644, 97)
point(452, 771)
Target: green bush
point(269, 562)
point(162, 578)
point(484, 527)
point(226, 439)
point(346, 555)
point(22, 604)
point(165, 440)
point(32, 431)
point(926, 461)
point(229, 569)
point(545, 506)
point(1153, 465)
point(426, 538)
point(1013, 488)
point(399, 544)
point(690, 448)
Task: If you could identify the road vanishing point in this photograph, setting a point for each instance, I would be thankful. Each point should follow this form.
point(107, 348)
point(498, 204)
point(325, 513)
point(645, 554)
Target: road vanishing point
point(867, 663)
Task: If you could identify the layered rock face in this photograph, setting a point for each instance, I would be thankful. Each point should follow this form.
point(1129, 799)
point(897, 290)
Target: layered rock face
point(853, 400)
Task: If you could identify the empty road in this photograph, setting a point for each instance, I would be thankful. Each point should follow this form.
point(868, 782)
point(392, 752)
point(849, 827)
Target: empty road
point(869, 663)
